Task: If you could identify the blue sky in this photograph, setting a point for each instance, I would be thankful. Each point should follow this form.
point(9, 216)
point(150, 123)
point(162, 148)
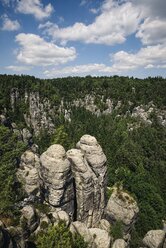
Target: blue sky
point(59, 38)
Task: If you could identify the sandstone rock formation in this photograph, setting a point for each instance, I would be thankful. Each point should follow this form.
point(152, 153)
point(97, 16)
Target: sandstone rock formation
point(154, 239)
point(101, 238)
point(89, 170)
point(122, 207)
point(55, 173)
point(119, 243)
point(81, 228)
point(104, 225)
point(27, 173)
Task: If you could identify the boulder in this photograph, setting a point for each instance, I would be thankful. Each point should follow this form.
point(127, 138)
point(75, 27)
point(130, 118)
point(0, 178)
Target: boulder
point(104, 225)
point(29, 220)
point(56, 176)
point(81, 228)
point(119, 243)
point(27, 173)
point(60, 215)
point(101, 238)
point(89, 170)
point(154, 239)
point(121, 207)
point(26, 135)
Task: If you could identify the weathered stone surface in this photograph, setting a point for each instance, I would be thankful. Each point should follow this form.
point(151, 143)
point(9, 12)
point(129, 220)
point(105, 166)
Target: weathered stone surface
point(29, 220)
point(60, 215)
point(38, 116)
point(154, 239)
point(55, 172)
point(119, 243)
point(81, 228)
point(104, 225)
point(101, 238)
point(26, 135)
point(27, 173)
point(89, 169)
point(122, 207)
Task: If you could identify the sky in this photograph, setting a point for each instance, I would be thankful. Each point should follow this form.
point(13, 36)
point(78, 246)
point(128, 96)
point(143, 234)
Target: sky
point(60, 38)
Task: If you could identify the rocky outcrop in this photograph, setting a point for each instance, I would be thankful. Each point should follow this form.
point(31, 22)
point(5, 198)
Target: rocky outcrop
point(119, 243)
point(104, 225)
point(89, 170)
point(38, 116)
point(154, 239)
point(101, 238)
point(57, 181)
point(29, 220)
point(81, 228)
point(122, 207)
point(27, 173)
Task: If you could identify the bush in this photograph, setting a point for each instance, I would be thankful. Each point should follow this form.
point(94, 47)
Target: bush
point(59, 236)
point(117, 230)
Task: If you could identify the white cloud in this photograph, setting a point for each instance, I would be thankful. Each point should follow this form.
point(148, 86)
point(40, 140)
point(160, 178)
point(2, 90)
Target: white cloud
point(17, 68)
point(78, 70)
point(148, 57)
point(152, 31)
point(112, 26)
point(35, 51)
point(9, 25)
point(34, 7)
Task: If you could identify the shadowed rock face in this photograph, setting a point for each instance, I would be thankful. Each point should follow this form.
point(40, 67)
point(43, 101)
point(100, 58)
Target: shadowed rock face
point(88, 164)
point(55, 173)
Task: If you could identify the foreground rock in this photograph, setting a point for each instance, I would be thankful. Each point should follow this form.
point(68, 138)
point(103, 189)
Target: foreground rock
point(101, 238)
point(122, 207)
point(55, 172)
point(89, 170)
point(119, 243)
point(27, 173)
point(81, 228)
point(154, 239)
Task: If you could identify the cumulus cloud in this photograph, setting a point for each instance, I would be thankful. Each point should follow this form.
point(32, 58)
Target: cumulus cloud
point(78, 70)
point(17, 68)
point(9, 25)
point(152, 31)
point(148, 57)
point(34, 7)
point(151, 8)
point(111, 26)
point(35, 51)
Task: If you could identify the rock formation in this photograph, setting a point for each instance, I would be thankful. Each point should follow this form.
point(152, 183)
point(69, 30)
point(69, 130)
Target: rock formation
point(57, 181)
point(154, 239)
point(119, 243)
point(27, 173)
point(89, 169)
point(122, 207)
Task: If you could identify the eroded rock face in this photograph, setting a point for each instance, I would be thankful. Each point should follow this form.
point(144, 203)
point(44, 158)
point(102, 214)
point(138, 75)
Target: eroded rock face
point(101, 238)
point(119, 243)
point(55, 173)
point(154, 239)
point(39, 110)
point(81, 228)
point(88, 164)
point(122, 207)
point(27, 173)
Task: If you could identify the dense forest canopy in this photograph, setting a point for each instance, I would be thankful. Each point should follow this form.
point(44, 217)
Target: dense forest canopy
point(136, 156)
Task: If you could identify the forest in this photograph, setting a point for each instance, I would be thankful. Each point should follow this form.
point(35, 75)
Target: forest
point(135, 148)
